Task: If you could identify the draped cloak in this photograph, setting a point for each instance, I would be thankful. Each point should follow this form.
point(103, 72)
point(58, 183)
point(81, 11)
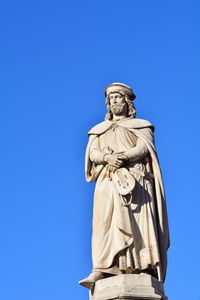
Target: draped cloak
point(139, 231)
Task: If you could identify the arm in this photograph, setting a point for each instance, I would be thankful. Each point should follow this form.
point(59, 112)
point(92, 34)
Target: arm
point(96, 155)
point(99, 157)
point(138, 152)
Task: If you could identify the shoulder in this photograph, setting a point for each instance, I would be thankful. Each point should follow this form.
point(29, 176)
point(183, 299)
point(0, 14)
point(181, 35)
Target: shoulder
point(128, 123)
point(137, 124)
point(100, 128)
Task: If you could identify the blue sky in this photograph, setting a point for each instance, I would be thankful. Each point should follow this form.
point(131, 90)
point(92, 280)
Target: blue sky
point(56, 59)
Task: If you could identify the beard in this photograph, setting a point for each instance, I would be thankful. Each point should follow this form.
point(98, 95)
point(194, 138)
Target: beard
point(118, 109)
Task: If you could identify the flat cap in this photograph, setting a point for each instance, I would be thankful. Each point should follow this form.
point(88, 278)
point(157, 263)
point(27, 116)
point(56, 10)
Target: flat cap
point(117, 87)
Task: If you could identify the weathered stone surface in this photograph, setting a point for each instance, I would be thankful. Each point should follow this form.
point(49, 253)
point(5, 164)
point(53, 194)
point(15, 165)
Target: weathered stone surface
point(130, 228)
point(129, 286)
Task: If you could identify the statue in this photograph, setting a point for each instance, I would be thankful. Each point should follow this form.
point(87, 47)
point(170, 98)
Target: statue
point(130, 227)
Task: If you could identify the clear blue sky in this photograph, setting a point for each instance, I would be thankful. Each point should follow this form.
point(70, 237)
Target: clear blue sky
point(56, 59)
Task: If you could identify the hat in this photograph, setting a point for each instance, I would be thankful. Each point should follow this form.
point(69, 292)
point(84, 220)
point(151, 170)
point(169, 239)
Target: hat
point(117, 87)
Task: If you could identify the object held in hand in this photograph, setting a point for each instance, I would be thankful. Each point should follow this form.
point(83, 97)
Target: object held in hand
point(123, 181)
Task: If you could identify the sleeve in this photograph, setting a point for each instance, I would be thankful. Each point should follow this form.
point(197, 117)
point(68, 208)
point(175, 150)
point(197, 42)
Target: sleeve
point(138, 152)
point(96, 155)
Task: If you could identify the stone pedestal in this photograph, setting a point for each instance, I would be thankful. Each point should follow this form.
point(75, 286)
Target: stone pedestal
point(129, 286)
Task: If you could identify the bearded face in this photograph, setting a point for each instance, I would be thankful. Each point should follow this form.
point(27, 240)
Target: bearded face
point(118, 109)
point(118, 104)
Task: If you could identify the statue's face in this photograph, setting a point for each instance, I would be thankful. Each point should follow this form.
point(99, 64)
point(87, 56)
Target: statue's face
point(118, 104)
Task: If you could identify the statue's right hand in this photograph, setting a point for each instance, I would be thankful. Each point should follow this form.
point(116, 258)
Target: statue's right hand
point(113, 160)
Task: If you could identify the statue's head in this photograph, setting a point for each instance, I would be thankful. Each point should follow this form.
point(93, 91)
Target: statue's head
point(119, 99)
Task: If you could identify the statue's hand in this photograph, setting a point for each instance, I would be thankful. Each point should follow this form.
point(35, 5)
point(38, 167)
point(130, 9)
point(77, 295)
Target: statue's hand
point(122, 157)
point(113, 160)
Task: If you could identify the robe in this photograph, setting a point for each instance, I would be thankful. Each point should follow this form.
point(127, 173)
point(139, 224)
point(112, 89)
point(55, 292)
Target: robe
point(134, 237)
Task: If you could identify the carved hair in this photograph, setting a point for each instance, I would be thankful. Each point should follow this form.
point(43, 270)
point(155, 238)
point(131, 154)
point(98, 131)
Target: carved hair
point(131, 107)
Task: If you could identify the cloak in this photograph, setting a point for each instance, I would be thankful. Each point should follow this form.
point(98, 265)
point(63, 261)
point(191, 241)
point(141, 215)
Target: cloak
point(144, 131)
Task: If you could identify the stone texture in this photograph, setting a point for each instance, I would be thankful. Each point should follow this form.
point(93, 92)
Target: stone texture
point(129, 286)
point(130, 228)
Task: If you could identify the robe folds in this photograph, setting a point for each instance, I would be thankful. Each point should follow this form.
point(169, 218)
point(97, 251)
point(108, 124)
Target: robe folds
point(127, 238)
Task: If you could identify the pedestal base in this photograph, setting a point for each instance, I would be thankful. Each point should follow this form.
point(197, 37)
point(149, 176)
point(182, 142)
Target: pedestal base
point(129, 286)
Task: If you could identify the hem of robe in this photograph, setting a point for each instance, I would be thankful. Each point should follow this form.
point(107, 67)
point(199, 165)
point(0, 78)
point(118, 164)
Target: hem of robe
point(128, 244)
point(115, 270)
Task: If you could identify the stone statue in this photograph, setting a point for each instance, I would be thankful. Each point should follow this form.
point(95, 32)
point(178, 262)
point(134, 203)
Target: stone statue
point(130, 227)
